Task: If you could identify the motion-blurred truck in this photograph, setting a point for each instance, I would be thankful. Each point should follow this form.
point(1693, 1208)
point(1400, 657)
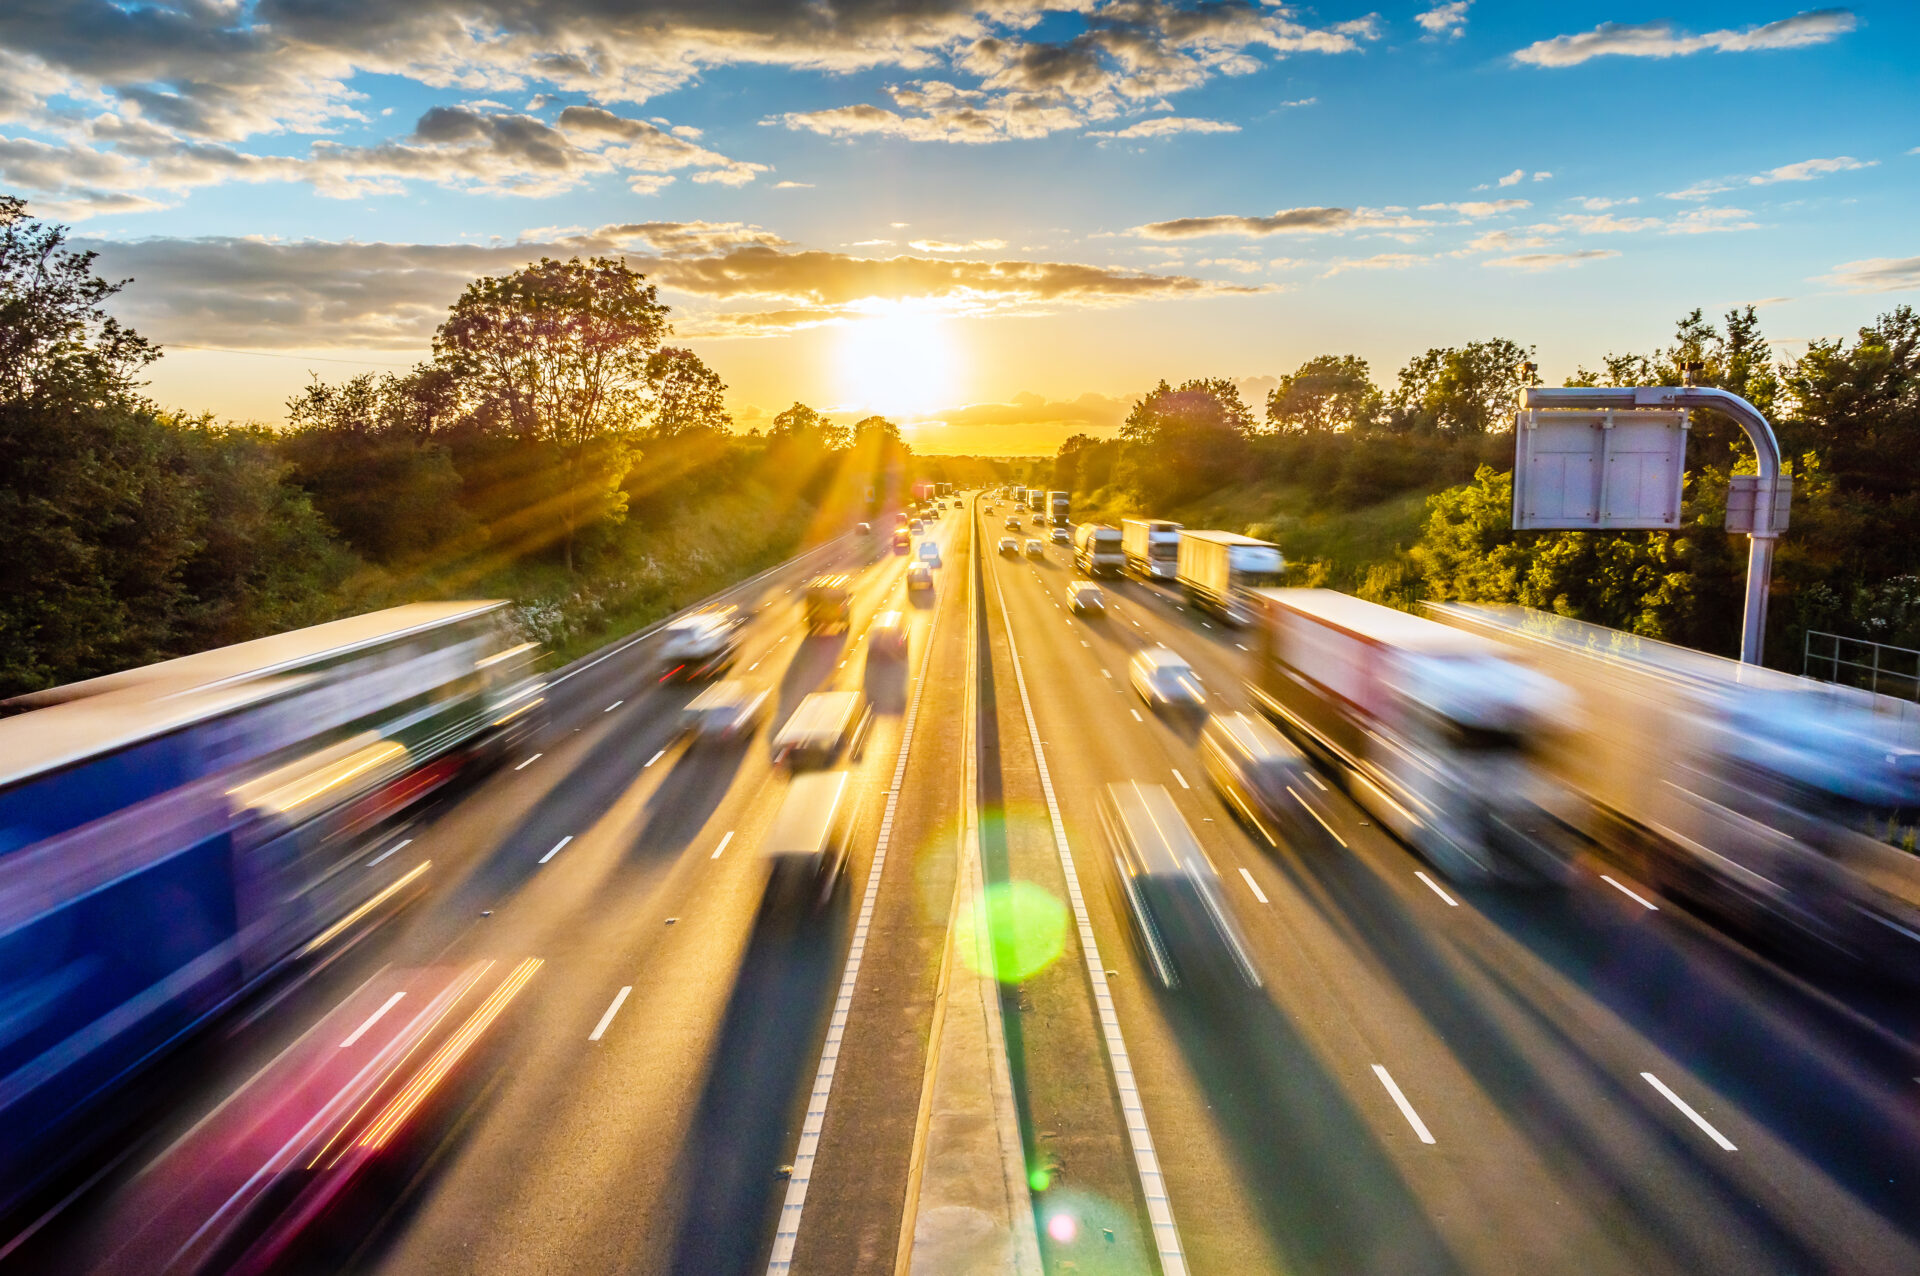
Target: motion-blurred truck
point(922, 493)
point(1432, 727)
point(829, 601)
point(1096, 550)
point(1151, 547)
point(1057, 507)
point(1759, 796)
point(1219, 570)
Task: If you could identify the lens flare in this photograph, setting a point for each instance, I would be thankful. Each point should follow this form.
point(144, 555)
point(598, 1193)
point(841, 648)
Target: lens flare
point(1015, 931)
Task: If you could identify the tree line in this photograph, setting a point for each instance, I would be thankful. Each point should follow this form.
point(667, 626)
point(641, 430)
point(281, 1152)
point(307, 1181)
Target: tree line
point(1331, 440)
point(554, 449)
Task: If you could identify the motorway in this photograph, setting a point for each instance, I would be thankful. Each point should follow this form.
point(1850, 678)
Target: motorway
point(1431, 1078)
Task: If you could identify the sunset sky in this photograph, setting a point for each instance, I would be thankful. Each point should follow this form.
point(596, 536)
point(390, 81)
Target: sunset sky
point(1000, 221)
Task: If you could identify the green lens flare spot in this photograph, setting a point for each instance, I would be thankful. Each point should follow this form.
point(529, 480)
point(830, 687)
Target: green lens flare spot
point(1015, 931)
point(1039, 1180)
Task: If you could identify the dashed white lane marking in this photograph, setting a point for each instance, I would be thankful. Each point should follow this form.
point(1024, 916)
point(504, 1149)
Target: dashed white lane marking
point(1406, 1109)
point(405, 841)
point(372, 1019)
point(655, 758)
point(1136, 715)
point(1105, 674)
point(1318, 783)
point(1085, 643)
point(1316, 815)
point(1254, 886)
point(722, 846)
point(606, 1020)
point(1725, 1144)
point(1637, 898)
point(1241, 645)
point(530, 761)
point(1146, 1162)
point(1181, 778)
point(1435, 888)
point(787, 1233)
point(557, 847)
point(615, 705)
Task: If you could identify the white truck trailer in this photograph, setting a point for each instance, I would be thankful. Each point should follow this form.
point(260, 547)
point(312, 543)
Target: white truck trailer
point(1754, 794)
point(1432, 726)
point(1152, 547)
point(1218, 570)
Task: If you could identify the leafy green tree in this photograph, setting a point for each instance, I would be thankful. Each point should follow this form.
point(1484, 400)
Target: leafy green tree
point(1468, 390)
point(562, 349)
point(689, 396)
point(59, 349)
point(1326, 394)
point(1186, 441)
point(801, 424)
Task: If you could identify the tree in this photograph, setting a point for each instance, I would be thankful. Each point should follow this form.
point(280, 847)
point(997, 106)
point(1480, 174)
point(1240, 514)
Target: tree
point(801, 423)
point(688, 396)
point(563, 349)
point(1185, 441)
point(59, 349)
point(1469, 390)
point(1325, 394)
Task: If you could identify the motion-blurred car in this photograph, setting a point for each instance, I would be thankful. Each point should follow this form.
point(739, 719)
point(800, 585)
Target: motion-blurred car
point(724, 712)
point(1013, 523)
point(1172, 891)
point(929, 553)
point(807, 843)
point(864, 529)
point(821, 725)
point(888, 637)
point(916, 527)
point(1035, 548)
point(1008, 545)
point(829, 602)
point(1253, 766)
point(1060, 536)
point(1039, 520)
point(1086, 599)
point(702, 645)
point(919, 576)
point(1165, 680)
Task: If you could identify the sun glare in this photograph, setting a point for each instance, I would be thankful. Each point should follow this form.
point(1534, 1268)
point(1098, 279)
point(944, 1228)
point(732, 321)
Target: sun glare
point(897, 362)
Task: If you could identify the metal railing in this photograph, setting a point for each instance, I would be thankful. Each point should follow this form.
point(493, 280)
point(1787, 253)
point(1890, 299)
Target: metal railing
point(1857, 662)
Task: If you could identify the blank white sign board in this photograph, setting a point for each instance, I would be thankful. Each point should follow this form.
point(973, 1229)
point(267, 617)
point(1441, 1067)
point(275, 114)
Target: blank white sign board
point(1600, 470)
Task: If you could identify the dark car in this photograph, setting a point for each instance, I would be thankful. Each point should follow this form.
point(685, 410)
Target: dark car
point(1254, 767)
point(1172, 892)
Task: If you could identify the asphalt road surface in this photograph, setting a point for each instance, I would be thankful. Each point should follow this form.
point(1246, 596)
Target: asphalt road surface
point(1581, 1078)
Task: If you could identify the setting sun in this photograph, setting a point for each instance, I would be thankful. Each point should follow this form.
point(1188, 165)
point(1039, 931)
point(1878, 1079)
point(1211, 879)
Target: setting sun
point(897, 361)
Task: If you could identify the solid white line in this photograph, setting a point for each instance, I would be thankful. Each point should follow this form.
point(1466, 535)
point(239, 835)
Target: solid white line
point(405, 841)
point(787, 1233)
point(1316, 815)
point(1406, 1109)
point(1318, 783)
point(1435, 888)
point(655, 758)
point(1136, 715)
point(615, 705)
point(1181, 778)
point(1691, 1115)
point(600, 1029)
point(1637, 898)
point(1254, 886)
point(1146, 1162)
point(556, 848)
point(372, 1019)
point(722, 846)
point(530, 761)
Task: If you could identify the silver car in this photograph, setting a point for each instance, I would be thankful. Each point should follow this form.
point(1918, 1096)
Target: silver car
point(724, 712)
point(1165, 680)
point(1172, 892)
point(1259, 772)
point(806, 846)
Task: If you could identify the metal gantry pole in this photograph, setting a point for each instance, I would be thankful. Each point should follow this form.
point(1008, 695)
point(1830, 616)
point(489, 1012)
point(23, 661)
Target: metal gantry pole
point(1766, 448)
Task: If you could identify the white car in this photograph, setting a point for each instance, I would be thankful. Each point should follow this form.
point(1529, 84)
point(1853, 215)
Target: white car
point(725, 711)
point(1165, 680)
point(1008, 545)
point(1085, 597)
point(919, 576)
point(1060, 536)
point(1035, 548)
point(916, 527)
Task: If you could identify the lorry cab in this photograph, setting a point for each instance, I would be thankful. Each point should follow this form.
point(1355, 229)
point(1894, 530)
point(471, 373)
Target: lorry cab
point(821, 725)
point(829, 602)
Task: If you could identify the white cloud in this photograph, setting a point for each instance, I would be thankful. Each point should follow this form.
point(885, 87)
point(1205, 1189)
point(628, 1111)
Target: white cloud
point(945, 246)
point(1542, 176)
point(1444, 21)
point(793, 186)
point(1804, 171)
point(1596, 204)
point(1379, 261)
point(1310, 221)
point(1551, 261)
point(1475, 209)
point(1706, 221)
point(1875, 274)
point(1513, 178)
point(1168, 125)
point(1663, 40)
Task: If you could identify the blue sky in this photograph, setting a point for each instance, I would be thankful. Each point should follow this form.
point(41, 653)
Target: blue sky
point(1008, 219)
